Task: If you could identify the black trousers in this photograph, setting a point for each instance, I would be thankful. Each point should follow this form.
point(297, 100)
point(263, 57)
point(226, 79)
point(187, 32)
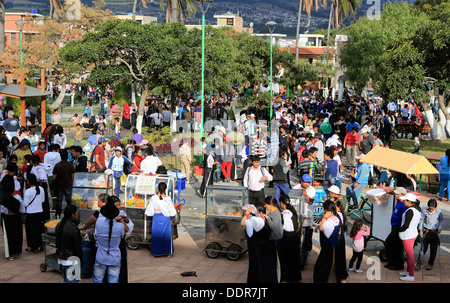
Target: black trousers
point(256, 197)
point(357, 256)
point(394, 248)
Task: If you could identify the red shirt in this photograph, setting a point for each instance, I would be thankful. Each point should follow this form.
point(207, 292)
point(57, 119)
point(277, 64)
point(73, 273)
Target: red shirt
point(41, 154)
point(137, 160)
point(99, 155)
point(350, 139)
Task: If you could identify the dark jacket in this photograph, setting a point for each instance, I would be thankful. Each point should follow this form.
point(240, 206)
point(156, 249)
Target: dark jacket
point(70, 242)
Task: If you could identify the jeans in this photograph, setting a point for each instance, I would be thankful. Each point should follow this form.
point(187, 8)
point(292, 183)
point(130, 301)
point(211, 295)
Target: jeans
point(63, 192)
point(431, 240)
point(280, 187)
point(77, 142)
point(353, 192)
point(218, 174)
point(117, 186)
point(101, 269)
point(63, 269)
point(445, 183)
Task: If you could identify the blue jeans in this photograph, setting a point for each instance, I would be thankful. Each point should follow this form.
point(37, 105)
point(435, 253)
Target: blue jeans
point(353, 192)
point(117, 186)
point(77, 142)
point(280, 187)
point(101, 269)
point(63, 192)
point(63, 269)
point(445, 183)
point(218, 173)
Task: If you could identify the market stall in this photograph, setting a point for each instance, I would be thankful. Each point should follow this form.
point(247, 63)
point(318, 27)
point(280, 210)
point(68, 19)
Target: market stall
point(139, 189)
point(434, 180)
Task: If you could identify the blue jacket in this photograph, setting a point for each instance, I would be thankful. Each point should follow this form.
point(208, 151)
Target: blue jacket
point(116, 164)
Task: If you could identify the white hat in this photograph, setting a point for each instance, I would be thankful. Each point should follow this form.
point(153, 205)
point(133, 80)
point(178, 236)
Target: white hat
point(410, 197)
point(334, 189)
point(364, 130)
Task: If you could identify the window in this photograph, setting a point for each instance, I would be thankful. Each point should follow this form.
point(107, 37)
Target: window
point(13, 38)
point(230, 21)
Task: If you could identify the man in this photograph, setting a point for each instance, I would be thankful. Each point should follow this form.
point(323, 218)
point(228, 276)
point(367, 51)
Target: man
point(334, 194)
point(255, 178)
point(351, 142)
point(11, 125)
point(98, 156)
point(317, 143)
point(280, 176)
point(116, 163)
point(150, 164)
point(51, 159)
point(208, 168)
point(393, 244)
point(367, 142)
point(219, 143)
point(186, 157)
point(166, 116)
point(238, 141)
point(361, 183)
point(79, 160)
point(307, 201)
point(63, 175)
point(157, 117)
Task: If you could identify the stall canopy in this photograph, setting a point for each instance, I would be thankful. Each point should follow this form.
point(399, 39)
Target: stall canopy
point(399, 161)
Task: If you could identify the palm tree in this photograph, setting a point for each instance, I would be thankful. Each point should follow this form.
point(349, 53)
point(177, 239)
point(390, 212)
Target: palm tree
point(307, 6)
point(177, 8)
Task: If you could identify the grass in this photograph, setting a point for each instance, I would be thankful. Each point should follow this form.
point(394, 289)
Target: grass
point(427, 146)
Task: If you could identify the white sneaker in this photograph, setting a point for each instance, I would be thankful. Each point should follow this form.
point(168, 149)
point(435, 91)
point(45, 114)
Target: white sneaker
point(407, 278)
point(404, 273)
point(351, 269)
point(358, 271)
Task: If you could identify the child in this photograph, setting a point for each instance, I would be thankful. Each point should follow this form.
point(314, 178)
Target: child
point(331, 170)
point(432, 221)
point(78, 135)
point(75, 119)
point(377, 140)
point(33, 141)
point(416, 144)
point(117, 127)
point(384, 178)
point(359, 230)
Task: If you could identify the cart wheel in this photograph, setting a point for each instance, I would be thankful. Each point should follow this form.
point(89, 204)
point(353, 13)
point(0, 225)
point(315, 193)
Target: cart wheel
point(365, 215)
point(133, 242)
point(43, 267)
point(234, 252)
point(382, 255)
point(317, 214)
point(212, 250)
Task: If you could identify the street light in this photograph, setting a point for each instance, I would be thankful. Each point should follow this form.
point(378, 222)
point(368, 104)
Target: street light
point(20, 25)
point(271, 26)
point(202, 95)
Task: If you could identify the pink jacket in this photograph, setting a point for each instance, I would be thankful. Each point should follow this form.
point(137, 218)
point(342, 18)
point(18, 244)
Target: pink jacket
point(358, 240)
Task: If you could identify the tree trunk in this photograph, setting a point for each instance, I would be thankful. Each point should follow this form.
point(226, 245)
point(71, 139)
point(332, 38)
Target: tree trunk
point(328, 33)
point(141, 108)
point(444, 116)
point(435, 128)
point(133, 16)
point(173, 10)
point(298, 29)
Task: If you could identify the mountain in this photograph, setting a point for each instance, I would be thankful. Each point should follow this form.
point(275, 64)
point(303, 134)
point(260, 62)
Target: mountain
point(258, 12)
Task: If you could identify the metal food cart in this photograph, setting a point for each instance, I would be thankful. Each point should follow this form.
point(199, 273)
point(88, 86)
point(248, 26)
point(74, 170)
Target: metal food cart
point(87, 187)
point(223, 230)
point(139, 189)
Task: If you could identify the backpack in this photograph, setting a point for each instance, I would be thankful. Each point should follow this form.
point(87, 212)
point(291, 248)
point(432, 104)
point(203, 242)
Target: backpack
point(214, 113)
point(326, 128)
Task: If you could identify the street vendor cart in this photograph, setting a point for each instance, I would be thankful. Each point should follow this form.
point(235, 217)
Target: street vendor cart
point(87, 187)
point(223, 231)
point(139, 189)
point(376, 206)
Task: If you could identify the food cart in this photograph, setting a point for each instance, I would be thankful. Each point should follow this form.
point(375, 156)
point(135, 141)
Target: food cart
point(87, 187)
point(223, 230)
point(139, 189)
point(376, 205)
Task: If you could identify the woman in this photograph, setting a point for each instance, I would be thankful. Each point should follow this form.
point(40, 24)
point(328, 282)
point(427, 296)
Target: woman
point(14, 144)
point(126, 111)
point(137, 161)
point(11, 217)
point(274, 221)
point(41, 175)
point(60, 138)
point(22, 149)
point(161, 209)
point(289, 245)
point(325, 269)
point(408, 233)
point(32, 202)
point(444, 175)
point(257, 237)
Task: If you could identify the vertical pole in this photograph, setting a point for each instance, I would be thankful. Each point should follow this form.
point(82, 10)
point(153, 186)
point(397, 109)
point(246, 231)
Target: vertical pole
point(43, 102)
point(202, 95)
point(21, 52)
point(271, 84)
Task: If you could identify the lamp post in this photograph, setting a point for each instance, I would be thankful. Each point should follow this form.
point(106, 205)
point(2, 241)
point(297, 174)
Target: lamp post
point(271, 26)
point(202, 93)
point(20, 25)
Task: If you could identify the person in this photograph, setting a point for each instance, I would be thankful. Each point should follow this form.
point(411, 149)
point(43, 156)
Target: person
point(361, 182)
point(289, 245)
point(51, 159)
point(444, 175)
point(273, 219)
point(101, 201)
point(384, 177)
point(307, 200)
point(40, 170)
point(357, 233)
point(367, 142)
point(79, 160)
point(126, 116)
point(281, 176)
point(408, 233)
point(60, 138)
point(22, 149)
point(63, 174)
point(150, 163)
point(137, 159)
point(393, 244)
point(255, 178)
point(69, 249)
point(40, 151)
point(137, 137)
point(117, 127)
point(185, 157)
point(116, 163)
point(11, 125)
point(331, 170)
point(11, 218)
point(430, 226)
point(326, 266)
point(33, 141)
point(208, 169)
point(78, 135)
point(56, 118)
point(109, 230)
point(227, 161)
point(334, 194)
point(318, 143)
point(351, 142)
point(257, 233)
point(161, 209)
point(98, 156)
point(32, 202)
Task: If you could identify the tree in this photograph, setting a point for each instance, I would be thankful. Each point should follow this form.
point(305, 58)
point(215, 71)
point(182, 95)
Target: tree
point(178, 9)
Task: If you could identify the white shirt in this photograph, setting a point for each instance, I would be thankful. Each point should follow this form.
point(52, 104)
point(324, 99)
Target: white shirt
point(40, 173)
point(60, 139)
point(35, 206)
point(52, 158)
point(253, 180)
point(165, 206)
point(150, 164)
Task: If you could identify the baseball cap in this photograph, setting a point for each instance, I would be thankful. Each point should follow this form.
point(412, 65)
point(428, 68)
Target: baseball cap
point(118, 148)
point(306, 178)
point(102, 139)
point(364, 130)
point(143, 142)
point(399, 191)
point(410, 197)
point(334, 189)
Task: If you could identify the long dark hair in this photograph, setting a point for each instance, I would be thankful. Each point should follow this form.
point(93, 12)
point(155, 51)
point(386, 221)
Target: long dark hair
point(357, 225)
point(162, 189)
point(329, 205)
point(32, 180)
point(68, 212)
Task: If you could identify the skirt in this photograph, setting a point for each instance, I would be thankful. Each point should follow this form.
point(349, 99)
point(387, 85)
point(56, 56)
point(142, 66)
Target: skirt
point(161, 241)
point(13, 234)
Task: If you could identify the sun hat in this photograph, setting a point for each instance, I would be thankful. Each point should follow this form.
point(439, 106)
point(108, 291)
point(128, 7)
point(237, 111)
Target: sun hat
point(400, 191)
point(410, 197)
point(334, 189)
